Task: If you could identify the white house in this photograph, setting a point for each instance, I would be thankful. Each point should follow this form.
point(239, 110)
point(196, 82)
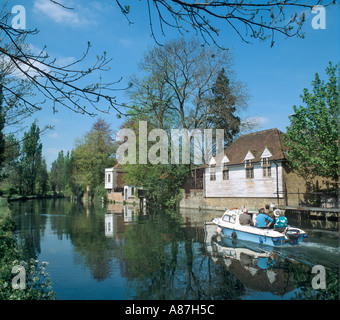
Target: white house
point(114, 184)
point(250, 168)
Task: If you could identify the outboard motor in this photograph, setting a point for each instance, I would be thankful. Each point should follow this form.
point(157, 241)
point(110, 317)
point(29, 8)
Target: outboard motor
point(293, 235)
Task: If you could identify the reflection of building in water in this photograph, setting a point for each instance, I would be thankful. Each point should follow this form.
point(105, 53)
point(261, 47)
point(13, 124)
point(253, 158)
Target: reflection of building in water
point(116, 218)
point(256, 268)
point(130, 213)
point(114, 226)
point(109, 225)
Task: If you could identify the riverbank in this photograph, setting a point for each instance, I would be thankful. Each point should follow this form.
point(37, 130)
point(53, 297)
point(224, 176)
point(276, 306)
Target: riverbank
point(20, 278)
point(17, 197)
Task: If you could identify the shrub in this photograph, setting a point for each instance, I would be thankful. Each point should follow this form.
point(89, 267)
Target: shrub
point(37, 281)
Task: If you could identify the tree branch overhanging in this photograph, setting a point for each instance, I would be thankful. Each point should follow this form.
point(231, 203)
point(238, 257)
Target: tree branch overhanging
point(60, 85)
point(249, 19)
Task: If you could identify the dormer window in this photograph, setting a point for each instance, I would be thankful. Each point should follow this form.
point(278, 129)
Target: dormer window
point(249, 169)
point(225, 171)
point(266, 167)
point(225, 168)
point(212, 171)
point(248, 164)
point(265, 162)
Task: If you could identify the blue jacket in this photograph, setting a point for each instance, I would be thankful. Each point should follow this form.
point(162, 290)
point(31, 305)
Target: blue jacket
point(262, 220)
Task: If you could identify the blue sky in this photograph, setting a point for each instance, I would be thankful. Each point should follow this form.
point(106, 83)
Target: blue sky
point(275, 77)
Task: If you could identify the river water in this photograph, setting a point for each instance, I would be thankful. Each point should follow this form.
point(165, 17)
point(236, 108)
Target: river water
point(114, 252)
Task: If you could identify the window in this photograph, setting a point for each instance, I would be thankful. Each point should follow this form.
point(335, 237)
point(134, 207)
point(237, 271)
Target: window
point(231, 219)
point(266, 167)
point(225, 171)
point(249, 169)
point(212, 171)
point(109, 177)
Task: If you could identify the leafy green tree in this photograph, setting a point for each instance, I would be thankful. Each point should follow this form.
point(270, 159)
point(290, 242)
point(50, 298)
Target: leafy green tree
point(42, 178)
point(313, 135)
point(222, 107)
point(10, 168)
point(58, 173)
point(92, 155)
point(178, 82)
point(162, 182)
point(31, 159)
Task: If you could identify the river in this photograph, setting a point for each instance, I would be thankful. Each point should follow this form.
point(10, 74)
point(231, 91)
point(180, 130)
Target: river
point(114, 252)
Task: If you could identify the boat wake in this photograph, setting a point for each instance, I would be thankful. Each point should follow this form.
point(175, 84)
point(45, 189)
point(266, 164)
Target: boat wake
point(320, 246)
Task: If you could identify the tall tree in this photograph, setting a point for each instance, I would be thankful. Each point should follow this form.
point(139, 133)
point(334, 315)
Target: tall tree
point(93, 154)
point(179, 78)
point(31, 158)
point(222, 107)
point(42, 178)
point(313, 135)
point(58, 173)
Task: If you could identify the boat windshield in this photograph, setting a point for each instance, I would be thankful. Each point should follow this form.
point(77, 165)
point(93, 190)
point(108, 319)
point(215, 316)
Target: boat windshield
point(229, 218)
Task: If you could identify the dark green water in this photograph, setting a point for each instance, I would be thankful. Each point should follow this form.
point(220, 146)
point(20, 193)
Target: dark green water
point(114, 253)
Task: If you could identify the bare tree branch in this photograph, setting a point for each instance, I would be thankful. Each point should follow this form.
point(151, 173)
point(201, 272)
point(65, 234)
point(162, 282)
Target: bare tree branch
point(249, 19)
point(59, 85)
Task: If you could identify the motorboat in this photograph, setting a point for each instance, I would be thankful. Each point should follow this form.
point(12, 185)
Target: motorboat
point(229, 225)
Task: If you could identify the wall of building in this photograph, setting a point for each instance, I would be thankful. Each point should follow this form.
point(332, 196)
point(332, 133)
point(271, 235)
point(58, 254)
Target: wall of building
point(238, 186)
point(296, 191)
point(225, 203)
point(115, 196)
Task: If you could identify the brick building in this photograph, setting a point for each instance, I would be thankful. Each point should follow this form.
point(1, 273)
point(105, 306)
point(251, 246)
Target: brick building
point(116, 189)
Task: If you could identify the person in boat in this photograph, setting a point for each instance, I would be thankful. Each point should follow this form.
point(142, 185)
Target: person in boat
point(262, 220)
point(270, 213)
point(246, 218)
point(281, 223)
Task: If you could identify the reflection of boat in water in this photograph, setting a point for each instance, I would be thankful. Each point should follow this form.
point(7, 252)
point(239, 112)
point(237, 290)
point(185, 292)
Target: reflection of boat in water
point(230, 226)
point(258, 267)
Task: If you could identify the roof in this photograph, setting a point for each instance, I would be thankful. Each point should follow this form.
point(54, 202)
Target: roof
point(256, 143)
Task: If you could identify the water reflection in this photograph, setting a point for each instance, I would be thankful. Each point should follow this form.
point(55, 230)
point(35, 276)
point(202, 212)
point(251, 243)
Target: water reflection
point(257, 268)
point(116, 252)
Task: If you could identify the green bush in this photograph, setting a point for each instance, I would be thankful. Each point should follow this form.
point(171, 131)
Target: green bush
point(37, 281)
point(99, 193)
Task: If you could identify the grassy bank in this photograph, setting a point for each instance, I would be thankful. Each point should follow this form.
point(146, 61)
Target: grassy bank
point(20, 278)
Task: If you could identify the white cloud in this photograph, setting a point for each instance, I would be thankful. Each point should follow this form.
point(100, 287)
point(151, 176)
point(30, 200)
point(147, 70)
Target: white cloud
point(54, 135)
point(59, 14)
point(257, 120)
point(23, 70)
